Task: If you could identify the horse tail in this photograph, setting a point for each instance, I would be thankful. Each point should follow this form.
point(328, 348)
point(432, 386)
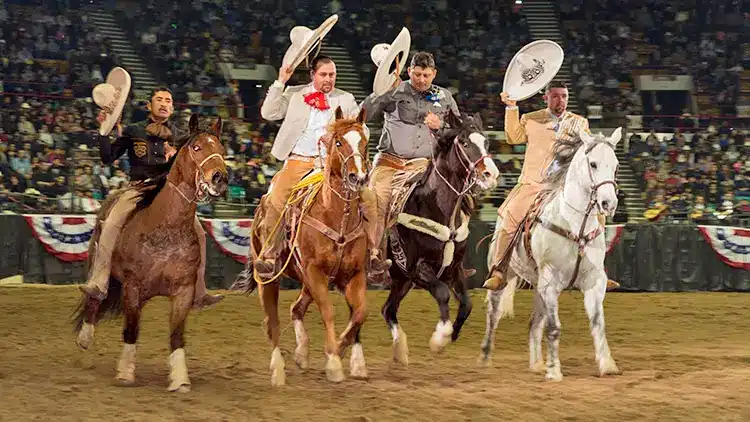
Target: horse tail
point(506, 299)
point(111, 306)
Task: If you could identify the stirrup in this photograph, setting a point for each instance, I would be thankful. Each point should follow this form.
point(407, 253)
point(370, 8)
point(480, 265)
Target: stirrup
point(264, 268)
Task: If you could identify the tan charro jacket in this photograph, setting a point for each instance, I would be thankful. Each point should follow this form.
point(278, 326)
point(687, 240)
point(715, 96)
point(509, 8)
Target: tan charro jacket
point(537, 131)
point(288, 103)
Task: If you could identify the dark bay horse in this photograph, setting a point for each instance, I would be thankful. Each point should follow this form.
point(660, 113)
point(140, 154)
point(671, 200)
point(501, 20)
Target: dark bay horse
point(329, 245)
point(157, 252)
point(428, 243)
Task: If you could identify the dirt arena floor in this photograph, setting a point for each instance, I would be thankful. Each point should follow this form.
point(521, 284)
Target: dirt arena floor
point(685, 357)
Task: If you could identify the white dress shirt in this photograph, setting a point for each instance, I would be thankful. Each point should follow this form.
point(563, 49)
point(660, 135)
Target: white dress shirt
point(307, 145)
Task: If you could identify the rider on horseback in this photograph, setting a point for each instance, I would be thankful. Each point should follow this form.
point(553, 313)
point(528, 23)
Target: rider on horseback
point(413, 113)
point(539, 130)
point(307, 111)
point(149, 145)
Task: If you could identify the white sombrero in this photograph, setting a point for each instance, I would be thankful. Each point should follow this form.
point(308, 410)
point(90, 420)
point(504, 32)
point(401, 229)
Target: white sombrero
point(532, 68)
point(111, 96)
point(383, 55)
point(304, 40)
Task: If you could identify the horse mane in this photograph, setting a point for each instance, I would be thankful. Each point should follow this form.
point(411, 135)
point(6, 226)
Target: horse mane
point(150, 189)
point(563, 152)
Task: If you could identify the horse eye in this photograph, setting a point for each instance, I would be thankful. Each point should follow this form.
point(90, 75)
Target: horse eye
point(338, 144)
point(196, 148)
point(593, 166)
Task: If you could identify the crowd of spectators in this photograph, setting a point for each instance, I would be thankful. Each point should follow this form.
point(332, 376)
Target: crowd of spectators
point(694, 175)
point(49, 158)
point(51, 50)
point(472, 41)
point(606, 39)
point(48, 152)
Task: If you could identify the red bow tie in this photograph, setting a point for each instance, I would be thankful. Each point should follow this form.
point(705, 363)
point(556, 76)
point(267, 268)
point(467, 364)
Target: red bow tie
point(317, 100)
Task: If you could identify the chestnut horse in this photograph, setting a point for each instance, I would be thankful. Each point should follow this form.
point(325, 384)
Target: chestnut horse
point(157, 252)
point(330, 246)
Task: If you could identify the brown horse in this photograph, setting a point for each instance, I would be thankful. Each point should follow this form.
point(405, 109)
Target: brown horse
point(157, 251)
point(331, 247)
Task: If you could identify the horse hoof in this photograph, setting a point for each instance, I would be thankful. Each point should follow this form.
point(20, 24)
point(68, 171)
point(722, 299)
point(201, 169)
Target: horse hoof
point(554, 376)
point(334, 369)
point(85, 336)
point(484, 360)
point(124, 382)
point(336, 375)
point(301, 361)
point(181, 388)
point(609, 367)
point(538, 367)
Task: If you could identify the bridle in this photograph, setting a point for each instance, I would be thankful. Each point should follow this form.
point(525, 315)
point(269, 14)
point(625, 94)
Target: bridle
point(594, 187)
point(201, 187)
point(344, 159)
point(470, 166)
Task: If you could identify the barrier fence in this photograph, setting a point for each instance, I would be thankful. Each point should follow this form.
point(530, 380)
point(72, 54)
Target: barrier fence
point(52, 249)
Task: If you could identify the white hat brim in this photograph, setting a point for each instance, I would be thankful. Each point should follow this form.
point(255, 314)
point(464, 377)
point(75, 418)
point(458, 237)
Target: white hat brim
point(119, 78)
point(295, 54)
point(384, 78)
point(550, 56)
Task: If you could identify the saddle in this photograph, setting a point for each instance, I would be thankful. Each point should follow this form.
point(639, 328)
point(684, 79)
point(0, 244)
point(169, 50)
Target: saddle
point(523, 232)
point(405, 180)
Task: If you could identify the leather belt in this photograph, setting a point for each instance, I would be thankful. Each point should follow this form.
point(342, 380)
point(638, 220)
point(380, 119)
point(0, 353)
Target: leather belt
point(389, 160)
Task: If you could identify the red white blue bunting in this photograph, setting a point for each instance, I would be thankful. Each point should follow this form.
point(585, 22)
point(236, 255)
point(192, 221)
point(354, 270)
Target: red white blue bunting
point(732, 244)
point(231, 236)
point(66, 237)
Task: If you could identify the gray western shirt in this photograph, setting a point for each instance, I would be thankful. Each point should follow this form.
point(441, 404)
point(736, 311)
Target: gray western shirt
point(404, 110)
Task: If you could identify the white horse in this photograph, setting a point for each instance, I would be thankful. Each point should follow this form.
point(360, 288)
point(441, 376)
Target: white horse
point(567, 250)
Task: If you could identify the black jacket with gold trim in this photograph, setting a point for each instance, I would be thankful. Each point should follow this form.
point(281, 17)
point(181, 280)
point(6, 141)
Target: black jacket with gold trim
point(145, 152)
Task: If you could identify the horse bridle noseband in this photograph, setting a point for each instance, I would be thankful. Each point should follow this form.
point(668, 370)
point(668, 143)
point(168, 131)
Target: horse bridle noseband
point(200, 176)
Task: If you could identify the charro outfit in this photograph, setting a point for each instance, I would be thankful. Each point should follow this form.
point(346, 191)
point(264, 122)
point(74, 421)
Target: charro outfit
point(144, 143)
point(539, 130)
point(406, 143)
point(307, 114)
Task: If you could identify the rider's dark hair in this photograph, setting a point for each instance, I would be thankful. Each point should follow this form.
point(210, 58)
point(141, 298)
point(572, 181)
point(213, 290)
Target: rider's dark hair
point(423, 59)
point(556, 84)
point(319, 61)
point(159, 89)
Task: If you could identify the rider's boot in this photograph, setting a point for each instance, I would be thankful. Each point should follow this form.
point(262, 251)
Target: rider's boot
point(378, 267)
point(496, 280)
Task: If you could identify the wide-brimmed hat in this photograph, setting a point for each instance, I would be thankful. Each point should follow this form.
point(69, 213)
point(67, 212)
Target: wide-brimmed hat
point(304, 40)
point(111, 97)
point(532, 68)
point(384, 56)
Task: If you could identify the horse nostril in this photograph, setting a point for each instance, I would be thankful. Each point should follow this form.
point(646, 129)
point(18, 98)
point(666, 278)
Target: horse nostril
point(353, 178)
point(216, 178)
point(605, 204)
point(487, 174)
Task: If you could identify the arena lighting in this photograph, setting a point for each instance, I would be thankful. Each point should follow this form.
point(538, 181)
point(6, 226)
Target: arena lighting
point(259, 86)
point(519, 1)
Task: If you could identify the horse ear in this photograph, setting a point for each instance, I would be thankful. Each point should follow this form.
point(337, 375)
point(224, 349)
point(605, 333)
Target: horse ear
point(193, 124)
point(615, 137)
point(216, 127)
point(339, 113)
point(478, 120)
point(362, 115)
point(585, 136)
point(453, 121)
